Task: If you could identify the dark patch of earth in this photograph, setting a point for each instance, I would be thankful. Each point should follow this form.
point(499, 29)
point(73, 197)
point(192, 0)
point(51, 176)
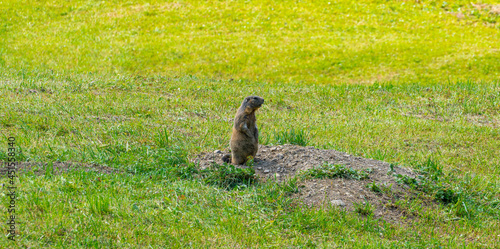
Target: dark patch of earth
point(58, 167)
point(285, 161)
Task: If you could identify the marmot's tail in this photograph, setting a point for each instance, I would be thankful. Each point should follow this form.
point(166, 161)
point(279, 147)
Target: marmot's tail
point(226, 158)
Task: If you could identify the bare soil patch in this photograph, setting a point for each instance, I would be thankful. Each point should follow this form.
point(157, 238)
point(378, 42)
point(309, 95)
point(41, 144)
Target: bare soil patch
point(283, 162)
point(58, 167)
point(491, 8)
point(482, 120)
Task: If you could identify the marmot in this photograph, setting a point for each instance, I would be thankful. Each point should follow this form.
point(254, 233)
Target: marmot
point(245, 138)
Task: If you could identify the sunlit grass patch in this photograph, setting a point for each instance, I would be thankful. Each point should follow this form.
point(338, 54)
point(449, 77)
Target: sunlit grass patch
point(306, 41)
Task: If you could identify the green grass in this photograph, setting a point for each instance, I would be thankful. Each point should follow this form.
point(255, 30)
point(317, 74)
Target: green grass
point(336, 171)
point(292, 136)
point(141, 87)
point(270, 41)
point(228, 177)
point(374, 187)
point(148, 128)
point(365, 208)
point(449, 190)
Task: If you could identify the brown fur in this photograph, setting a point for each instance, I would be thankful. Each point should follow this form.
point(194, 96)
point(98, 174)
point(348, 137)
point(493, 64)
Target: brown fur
point(245, 138)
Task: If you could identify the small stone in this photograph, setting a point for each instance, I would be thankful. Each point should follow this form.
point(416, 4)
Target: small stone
point(267, 171)
point(259, 167)
point(217, 152)
point(339, 203)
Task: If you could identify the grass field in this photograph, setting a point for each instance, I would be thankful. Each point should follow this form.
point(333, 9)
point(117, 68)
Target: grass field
point(143, 86)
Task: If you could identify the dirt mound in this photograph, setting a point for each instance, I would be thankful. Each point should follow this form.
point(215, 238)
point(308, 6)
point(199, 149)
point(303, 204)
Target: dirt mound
point(57, 167)
point(283, 162)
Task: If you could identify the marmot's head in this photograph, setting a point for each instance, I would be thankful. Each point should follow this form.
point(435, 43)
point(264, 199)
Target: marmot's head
point(252, 103)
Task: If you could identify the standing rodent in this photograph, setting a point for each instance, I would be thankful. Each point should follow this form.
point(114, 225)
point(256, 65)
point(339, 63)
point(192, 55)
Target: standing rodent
point(245, 138)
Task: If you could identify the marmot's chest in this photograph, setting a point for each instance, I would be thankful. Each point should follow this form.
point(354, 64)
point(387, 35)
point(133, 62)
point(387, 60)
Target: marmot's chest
point(249, 120)
point(251, 127)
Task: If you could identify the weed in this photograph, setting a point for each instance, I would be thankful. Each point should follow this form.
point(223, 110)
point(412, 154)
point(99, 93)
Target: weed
point(434, 182)
point(336, 171)
point(162, 139)
point(364, 208)
point(446, 195)
point(49, 169)
point(250, 161)
point(391, 169)
point(275, 195)
point(463, 207)
point(386, 188)
point(228, 176)
point(99, 204)
point(408, 180)
point(374, 187)
point(183, 171)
